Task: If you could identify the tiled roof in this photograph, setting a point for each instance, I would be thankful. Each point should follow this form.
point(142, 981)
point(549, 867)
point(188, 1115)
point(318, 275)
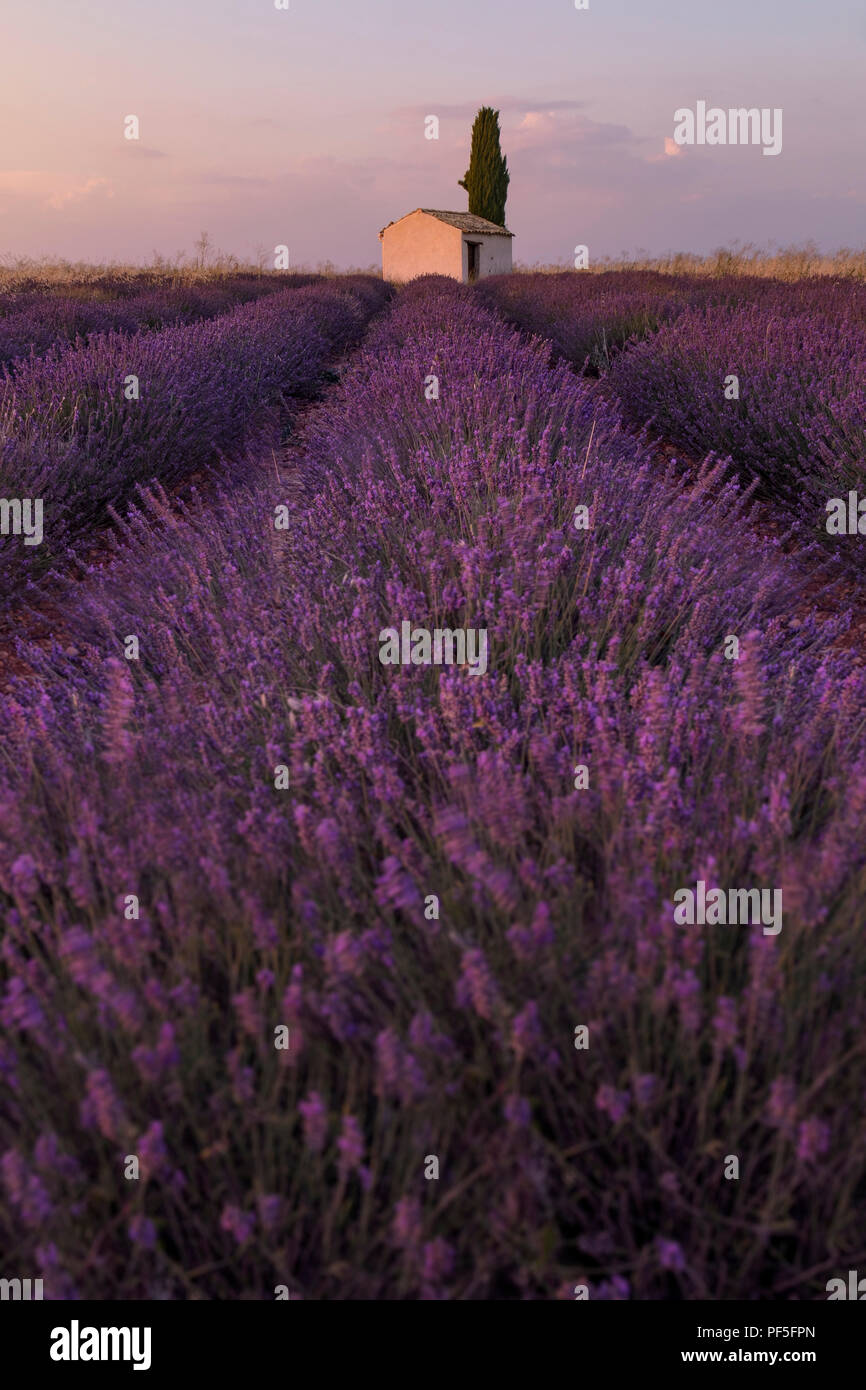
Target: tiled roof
point(465, 221)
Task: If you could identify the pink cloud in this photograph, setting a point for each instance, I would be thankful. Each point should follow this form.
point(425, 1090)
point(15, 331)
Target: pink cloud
point(671, 151)
point(49, 188)
point(547, 129)
point(60, 199)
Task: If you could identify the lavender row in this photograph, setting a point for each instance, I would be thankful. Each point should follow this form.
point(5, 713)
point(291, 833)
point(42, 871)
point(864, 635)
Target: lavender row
point(782, 392)
point(32, 324)
point(80, 429)
point(771, 374)
point(374, 970)
point(586, 318)
point(589, 318)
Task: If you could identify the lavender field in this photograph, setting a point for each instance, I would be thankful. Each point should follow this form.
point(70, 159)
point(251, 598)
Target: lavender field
point(328, 978)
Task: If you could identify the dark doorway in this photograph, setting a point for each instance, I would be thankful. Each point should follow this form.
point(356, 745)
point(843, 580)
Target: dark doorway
point(473, 253)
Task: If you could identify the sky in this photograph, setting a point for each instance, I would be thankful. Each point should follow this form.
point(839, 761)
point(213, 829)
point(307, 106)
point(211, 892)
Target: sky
point(305, 126)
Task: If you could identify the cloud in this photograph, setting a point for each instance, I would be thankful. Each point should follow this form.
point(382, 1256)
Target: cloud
point(50, 188)
point(566, 138)
point(671, 151)
point(60, 200)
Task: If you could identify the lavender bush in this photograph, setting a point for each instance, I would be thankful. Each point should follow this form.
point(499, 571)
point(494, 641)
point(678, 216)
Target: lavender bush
point(32, 324)
point(587, 318)
point(799, 423)
point(72, 434)
point(416, 1034)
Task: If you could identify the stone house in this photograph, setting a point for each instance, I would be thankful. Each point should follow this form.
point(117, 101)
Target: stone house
point(457, 244)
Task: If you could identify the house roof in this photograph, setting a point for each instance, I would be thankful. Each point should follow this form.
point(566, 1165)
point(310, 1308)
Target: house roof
point(464, 221)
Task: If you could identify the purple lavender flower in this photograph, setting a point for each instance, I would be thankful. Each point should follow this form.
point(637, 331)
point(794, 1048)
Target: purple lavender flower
point(350, 1145)
point(238, 1223)
point(725, 1022)
point(782, 1102)
point(407, 1225)
point(437, 1262)
point(644, 1088)
point(142, 1232)
point(476, 986)
point(517, 1111)
point(102, 1107)
point(813, 1139)
point(151, 1149)
point(526, 1033)
point(612, 1102)
point(669, 1254)
point(315, 1117)
point(615, 1289)
point(247, 1009)
point(270, 1207)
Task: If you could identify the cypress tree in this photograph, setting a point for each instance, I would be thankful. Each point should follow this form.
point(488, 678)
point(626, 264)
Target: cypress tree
point(487, 177)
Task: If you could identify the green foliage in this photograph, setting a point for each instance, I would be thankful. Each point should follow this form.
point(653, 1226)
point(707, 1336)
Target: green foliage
point(487, 178)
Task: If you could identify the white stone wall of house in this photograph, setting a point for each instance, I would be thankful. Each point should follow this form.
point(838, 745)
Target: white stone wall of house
point(494, 255)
